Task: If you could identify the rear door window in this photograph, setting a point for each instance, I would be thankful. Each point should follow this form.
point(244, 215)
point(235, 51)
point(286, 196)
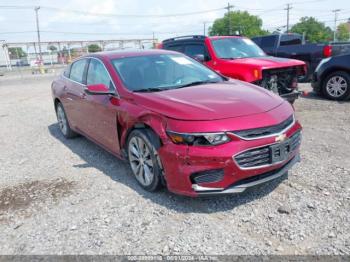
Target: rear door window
point(193, 50)
point(77, 71)
point(290, 40)
point(176, 48)
point(268, 41)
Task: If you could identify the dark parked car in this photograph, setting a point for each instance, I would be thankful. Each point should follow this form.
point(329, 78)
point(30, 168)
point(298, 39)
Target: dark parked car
point(293, 46)
point(177, 122)
point(332, 78)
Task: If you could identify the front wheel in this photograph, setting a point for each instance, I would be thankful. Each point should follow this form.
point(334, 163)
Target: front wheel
point(336, 86)
point(143, 159)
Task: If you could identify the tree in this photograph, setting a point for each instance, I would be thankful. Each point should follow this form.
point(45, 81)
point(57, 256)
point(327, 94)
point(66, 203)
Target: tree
point(241, 22)
point(93, 48)
point(343, 32)
point(16, 52)
point(314, 30)
point(52, 48)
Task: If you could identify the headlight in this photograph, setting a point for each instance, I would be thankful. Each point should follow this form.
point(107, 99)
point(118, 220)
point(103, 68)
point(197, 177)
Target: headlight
point(198, 139)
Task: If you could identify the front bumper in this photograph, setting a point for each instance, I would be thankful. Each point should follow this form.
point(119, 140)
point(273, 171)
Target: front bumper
point(182, 163)
point(241, 186)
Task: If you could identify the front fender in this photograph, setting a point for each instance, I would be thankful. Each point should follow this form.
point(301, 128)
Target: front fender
point(147, 119)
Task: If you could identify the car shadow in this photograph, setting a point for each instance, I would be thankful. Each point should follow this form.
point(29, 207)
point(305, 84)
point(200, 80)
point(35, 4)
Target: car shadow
point(96, 157)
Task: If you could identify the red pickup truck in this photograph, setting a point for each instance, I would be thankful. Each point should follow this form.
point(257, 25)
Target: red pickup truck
point(240, 58)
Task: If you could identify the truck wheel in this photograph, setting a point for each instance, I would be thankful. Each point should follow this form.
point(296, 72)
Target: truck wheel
point(336, 86)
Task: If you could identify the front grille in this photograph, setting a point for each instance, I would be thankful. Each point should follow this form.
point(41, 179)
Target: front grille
point(258, 177)
point(295, 141)
point(281, 80)
point(268, 155)
point(210, 176)
point(264, 131)
point(254, 157)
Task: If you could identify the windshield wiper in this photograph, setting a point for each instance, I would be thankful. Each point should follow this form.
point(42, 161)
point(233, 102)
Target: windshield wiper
point(196, 83)
point(150, 89)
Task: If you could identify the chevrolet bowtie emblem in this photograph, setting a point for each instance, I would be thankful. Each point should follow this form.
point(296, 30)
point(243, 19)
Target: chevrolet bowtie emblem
point(280, 138)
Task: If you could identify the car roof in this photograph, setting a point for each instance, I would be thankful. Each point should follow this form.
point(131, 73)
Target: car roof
point(225, 36)
point(193, 38)
point(129, 53)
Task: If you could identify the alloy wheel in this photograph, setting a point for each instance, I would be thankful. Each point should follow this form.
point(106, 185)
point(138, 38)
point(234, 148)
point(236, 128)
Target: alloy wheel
point(336, 86)
point(62, 120)
point(141, 161)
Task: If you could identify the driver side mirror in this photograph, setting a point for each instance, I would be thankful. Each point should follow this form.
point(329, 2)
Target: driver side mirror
point(98, 89)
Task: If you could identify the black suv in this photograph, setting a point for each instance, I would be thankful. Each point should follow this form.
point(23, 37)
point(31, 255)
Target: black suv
point(332, 77)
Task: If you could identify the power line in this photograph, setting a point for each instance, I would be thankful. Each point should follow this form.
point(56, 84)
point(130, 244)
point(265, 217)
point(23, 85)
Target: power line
point(16, 7)
point(98, 33)
point(307, 2)
point(117, 15)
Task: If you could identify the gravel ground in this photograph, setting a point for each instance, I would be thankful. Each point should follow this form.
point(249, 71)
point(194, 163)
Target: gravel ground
point(62, 196)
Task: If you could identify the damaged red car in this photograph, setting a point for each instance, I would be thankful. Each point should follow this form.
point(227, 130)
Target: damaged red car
point(178, 123)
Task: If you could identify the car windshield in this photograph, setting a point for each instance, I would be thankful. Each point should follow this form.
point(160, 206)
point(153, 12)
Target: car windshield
point(162, 72)
point(235, 48)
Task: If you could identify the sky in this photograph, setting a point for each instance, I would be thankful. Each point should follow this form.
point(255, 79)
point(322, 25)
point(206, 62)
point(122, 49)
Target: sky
point(123, 19)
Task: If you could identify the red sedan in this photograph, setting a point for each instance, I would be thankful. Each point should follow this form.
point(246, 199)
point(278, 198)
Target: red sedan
point(178, 123)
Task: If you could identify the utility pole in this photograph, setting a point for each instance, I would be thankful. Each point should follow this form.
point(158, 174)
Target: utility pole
point(204, 28)
point(229, 18)
point(289, 6)
point(38, 31)
point(335, 23)
point(153, 40)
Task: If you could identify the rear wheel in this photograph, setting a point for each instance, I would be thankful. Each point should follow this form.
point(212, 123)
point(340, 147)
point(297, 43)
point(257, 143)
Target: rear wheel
point(336, 86)
point(63, 122)
point(143, 159)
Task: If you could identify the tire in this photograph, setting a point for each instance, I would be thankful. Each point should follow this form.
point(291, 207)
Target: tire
point(143, 159)
point(336, 86)
point(63, 122)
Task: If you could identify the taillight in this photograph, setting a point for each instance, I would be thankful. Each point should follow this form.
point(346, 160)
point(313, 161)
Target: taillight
point(327, 51)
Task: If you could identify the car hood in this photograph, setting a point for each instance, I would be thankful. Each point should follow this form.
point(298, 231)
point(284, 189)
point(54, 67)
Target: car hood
point(210, 101)
point(267, 62)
